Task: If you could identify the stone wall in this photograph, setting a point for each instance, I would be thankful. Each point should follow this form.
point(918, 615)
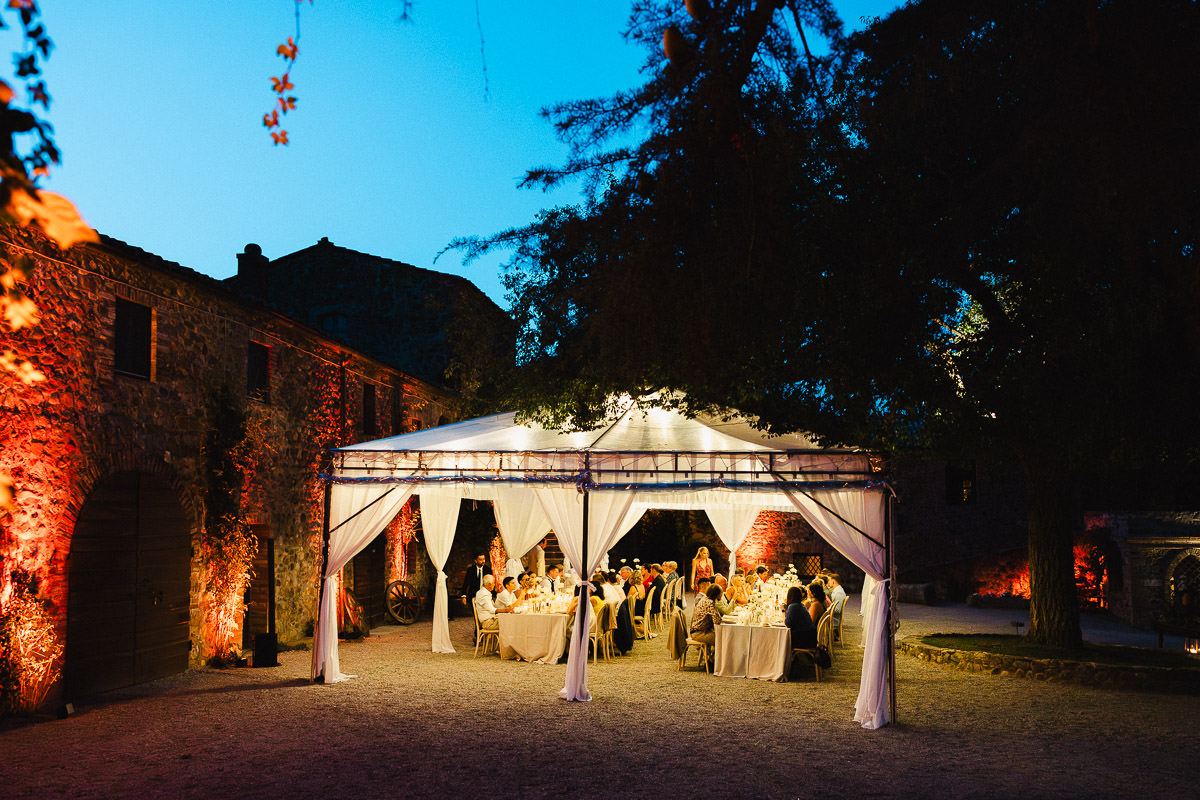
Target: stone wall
point(940, 542)
point(1152, 545)
point(60, 437)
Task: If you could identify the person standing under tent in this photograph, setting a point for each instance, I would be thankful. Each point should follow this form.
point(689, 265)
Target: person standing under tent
point(473, 579)
point(702, 567)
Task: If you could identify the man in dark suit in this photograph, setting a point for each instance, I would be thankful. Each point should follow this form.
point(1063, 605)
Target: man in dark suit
point(474, 577)
point(658, 583)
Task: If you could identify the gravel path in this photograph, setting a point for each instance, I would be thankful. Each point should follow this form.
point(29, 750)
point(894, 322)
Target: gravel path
point(417, 724)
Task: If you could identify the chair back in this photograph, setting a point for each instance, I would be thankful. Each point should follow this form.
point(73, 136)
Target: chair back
point(825, 630)
point(648, 608)
point(475, 614)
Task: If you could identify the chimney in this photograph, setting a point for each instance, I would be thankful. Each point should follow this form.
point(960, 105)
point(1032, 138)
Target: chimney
point(253, 271)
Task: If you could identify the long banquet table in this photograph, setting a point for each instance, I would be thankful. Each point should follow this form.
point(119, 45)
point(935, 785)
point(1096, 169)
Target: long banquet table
point(533, 637)
point(753, 651)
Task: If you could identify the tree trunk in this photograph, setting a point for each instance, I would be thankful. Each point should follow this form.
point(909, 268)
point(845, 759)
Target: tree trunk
point(1053, 600)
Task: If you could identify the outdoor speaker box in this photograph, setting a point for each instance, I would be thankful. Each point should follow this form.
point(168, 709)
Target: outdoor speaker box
point(266, 650)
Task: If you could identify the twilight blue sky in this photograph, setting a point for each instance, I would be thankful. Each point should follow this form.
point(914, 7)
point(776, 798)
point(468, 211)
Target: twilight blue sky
point(157, 108)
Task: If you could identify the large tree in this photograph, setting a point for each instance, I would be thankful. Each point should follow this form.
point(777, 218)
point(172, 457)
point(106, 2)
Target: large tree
point(972, 226)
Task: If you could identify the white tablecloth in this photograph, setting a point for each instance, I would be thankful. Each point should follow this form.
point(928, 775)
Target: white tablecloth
point(533, 637)
point(747, 651)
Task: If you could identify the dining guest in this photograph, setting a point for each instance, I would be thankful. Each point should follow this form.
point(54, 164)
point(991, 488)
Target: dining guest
point(816, 601)
point(836, 592)
point(553, 580)
point(762, 576)
point(507, 596)
point(738, 591)
point(798, 619)
point(635, 591)
point(486, 608)
point(596, 602)
point(612, 589)
point(702, 566)
point(658, 583)
point(725, 604)
point(705, 616)
point(671, 570)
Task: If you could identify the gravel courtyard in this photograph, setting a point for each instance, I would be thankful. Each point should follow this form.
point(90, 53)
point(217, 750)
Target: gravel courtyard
point(416, 724)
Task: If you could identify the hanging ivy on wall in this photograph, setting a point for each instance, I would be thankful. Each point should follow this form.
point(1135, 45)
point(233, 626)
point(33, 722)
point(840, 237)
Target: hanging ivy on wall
point(227, 546)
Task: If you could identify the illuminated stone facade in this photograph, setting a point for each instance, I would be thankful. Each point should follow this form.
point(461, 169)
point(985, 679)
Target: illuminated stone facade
point(95, 416)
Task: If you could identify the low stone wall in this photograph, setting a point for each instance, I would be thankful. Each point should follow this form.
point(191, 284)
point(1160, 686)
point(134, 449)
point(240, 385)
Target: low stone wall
point(1175, 680)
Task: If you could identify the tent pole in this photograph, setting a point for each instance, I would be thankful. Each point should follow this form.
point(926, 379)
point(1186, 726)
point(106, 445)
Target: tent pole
point(891, 590)
point(584, 577)
point(324, 549)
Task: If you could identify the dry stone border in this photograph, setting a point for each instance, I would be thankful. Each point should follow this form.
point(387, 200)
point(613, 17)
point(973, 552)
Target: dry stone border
point(1175, 680)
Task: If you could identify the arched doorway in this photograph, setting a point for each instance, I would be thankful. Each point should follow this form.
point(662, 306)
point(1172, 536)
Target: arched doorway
point(128, 586)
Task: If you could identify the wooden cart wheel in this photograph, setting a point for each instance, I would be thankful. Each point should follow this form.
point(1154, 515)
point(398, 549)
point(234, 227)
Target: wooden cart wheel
point(403, 602)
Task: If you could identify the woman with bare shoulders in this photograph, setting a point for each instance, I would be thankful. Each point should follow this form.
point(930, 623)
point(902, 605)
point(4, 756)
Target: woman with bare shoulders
point(702, 566)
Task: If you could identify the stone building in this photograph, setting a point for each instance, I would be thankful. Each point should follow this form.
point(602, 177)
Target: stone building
point(435, 326)
point(146, 362)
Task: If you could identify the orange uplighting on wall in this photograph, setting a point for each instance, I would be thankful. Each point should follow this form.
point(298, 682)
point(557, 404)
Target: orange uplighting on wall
point(763, 541)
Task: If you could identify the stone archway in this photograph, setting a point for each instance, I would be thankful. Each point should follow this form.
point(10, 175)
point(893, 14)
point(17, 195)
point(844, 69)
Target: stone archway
point(1182, 584)
point(128, 585)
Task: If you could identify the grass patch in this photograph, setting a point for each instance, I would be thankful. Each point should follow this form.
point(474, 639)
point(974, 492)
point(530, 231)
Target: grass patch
point(1116, 654)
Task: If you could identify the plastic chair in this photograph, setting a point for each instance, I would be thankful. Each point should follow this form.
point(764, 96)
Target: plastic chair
point(489, 639)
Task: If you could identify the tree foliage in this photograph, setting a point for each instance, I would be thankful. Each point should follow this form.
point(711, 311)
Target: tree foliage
point(970, 226)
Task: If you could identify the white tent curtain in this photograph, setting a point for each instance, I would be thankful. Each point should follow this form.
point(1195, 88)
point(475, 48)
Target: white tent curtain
point(357, 513)
point(610, 516)
point(439, 518)
point(732, 524)
point(836, 515)
point(521, 521)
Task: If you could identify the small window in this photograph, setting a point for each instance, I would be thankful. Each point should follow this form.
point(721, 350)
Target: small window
point(133, 339)
point(369, 425)
point(258, 372)
point(807, 564)
point(961, 484)
point(334, 324)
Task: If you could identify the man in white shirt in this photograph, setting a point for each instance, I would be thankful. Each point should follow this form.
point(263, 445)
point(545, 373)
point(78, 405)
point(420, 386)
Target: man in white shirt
point(553, 580)
point(484, 606)
point(506, 597)
point(836, 592)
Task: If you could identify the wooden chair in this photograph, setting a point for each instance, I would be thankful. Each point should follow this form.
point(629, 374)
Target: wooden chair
point(702, 648)
point(648, 616)
point(489, 639)
point(824, 637)
point(836, 624)
point(598, 634)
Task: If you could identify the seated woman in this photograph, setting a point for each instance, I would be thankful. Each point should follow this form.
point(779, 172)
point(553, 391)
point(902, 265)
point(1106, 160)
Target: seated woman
point(636, 592)
point(705, 616)
point(738, 591)
point(597, 600)
point(798, 619)
point(816, 601)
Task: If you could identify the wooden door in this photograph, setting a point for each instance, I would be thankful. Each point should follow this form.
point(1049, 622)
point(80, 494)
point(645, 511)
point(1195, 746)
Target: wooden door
point(370, 579)
point(128, 586)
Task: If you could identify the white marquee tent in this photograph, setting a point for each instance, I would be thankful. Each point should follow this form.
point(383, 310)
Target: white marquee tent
point(591, 488)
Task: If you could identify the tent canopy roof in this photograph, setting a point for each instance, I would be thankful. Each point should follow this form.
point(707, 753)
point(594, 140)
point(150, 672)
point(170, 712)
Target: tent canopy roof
point(652, 449)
